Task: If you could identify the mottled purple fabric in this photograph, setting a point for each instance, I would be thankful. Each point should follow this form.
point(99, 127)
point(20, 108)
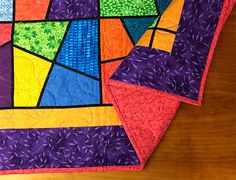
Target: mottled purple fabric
point(72, 9)
point(179, 72)
point(65, 148)
point(5, 75)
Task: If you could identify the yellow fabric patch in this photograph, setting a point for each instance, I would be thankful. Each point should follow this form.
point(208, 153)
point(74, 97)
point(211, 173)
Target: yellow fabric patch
point(58, 118)
point(30, 73)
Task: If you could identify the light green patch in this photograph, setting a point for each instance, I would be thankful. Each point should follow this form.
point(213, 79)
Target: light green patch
point(127, 7)
point(154, 23)
point(42, 38)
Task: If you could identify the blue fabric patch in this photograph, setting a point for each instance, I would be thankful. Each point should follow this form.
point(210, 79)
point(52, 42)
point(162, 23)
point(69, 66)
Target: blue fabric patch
point(138, 26)
point(163, 4)
point(80, 48)
point(6, 10)
point(66, 88)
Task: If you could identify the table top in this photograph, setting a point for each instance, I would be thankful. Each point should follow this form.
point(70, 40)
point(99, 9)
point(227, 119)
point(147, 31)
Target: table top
point(201, 141)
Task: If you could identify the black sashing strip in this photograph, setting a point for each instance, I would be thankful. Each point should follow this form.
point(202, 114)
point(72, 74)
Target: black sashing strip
point(6, 22)
point(113, 60)
point(118, 17)
point(99, 53)
point(127, 31)
point(53, 20)
point(164, 29)
point(12, 55)
point(154, 32)
point(57, 107)
point(59, 64)
point(74, 19)
point(53, 62)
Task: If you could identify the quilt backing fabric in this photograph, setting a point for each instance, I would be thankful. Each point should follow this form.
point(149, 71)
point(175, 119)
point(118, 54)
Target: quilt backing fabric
point(92, 85)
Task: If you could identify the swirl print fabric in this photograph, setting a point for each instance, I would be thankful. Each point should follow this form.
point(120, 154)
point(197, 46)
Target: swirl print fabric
point(92, 85)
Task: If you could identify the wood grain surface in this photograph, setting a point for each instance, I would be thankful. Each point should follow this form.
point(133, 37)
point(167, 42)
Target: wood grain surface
point(201, 141)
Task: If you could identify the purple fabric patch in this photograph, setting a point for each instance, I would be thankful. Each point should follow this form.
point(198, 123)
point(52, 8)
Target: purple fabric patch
point(65, 148)
point(5, 75)
point(72, 9)
point(179, 72)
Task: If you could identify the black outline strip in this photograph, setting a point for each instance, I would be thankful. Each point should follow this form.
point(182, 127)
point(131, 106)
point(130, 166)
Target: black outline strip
point(53, 62)
point(163, 29)
point(56, 107)
point(12, 56)
point(6, 22)
point(154, 32)
point(99, 54)
point(113, 60)
point(74, 19)
point(118, 17)
point(53, 20)
point(56, 63)
point(127, 31)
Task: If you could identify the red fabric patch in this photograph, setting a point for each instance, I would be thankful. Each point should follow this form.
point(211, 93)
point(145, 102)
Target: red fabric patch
point(5, 33)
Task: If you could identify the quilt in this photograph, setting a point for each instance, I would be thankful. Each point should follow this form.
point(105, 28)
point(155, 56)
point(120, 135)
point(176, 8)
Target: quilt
point(92, 85)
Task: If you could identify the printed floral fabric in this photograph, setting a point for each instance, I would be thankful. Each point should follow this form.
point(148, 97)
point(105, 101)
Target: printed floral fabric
point(41, 38)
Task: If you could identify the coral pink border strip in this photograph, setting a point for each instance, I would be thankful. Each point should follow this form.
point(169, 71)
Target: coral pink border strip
point(227, 8)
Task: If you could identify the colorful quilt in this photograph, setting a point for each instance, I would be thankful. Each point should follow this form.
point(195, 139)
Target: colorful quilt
point(92, 85)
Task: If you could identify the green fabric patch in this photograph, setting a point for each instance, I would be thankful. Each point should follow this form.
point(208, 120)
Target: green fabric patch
point(154, 23)
point(128, 7)
point(43, 38)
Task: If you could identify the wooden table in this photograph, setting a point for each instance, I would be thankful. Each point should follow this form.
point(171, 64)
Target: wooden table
point(201, 141)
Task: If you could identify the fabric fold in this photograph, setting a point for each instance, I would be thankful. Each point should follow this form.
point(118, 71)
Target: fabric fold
point(149, 85)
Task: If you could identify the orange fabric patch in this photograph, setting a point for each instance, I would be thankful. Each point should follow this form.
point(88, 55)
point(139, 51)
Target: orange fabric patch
point(115, 41)
point(5, 33)
point(31, 9)
point(107, 70)
point(163, 40)
point(171, 17)
point(145, 39)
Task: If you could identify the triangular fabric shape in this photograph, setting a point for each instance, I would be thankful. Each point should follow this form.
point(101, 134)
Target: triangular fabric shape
point(163, 4)
point(68, 88)
point(138, 26)
point(145, 123)
point(80, 48)
point(31, 9)
point(115, 42)
point(30, 73)
point(5, 33)
point(42, 38)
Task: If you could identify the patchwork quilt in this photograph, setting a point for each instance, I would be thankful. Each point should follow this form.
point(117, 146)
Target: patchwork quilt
point(92, 85)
